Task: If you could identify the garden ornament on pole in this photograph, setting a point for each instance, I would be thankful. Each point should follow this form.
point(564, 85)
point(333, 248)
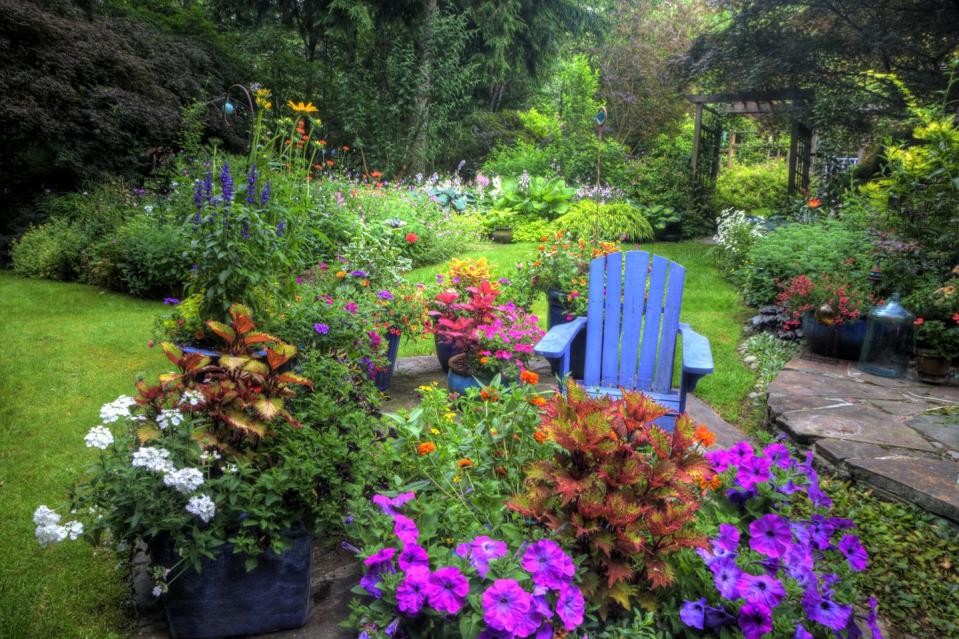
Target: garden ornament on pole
point(631, 332)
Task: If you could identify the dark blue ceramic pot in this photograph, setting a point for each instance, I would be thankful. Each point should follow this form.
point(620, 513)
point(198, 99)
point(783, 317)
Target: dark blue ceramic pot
point(384, 377)
point(843, 341)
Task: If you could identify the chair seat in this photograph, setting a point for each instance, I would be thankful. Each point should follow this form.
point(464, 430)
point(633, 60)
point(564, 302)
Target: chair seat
point(669, 401)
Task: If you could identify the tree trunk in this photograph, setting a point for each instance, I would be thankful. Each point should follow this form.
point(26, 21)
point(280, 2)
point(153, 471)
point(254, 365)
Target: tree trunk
point(421, 140)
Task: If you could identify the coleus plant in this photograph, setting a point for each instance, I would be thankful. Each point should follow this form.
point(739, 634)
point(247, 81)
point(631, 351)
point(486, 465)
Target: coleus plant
point(621, 491)
point(240, 394)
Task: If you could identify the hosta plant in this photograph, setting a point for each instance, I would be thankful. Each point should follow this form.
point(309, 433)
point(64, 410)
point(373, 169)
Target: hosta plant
point(620, 491)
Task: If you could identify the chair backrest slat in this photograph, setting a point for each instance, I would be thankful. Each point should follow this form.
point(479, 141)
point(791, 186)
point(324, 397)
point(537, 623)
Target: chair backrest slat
point(594, 321)
point(667, 340)
point(609, 373)
point(651, 317)
point(634, 287)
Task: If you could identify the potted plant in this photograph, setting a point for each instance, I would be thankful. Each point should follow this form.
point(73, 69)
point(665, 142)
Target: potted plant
point(937, 344)
point(831, 310)
point(501, 223)
point(489, 339)
point(213, 472)
point(561, 270)
point(462, 274)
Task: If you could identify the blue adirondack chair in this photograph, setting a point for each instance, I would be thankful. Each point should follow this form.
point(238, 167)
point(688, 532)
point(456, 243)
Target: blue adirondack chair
point(631, 329)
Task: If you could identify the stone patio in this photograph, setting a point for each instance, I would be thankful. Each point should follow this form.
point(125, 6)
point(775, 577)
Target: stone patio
point(900, 436)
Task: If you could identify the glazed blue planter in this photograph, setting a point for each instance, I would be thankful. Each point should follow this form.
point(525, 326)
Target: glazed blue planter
point(556, 315)
point(384, 377)
point(224, 600)
point(843, 341)
point(444, 351)
point(460, 383)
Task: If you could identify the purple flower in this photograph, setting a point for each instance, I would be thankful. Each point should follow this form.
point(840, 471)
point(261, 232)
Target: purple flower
point(481, 551)
point(548, 564)
point(755, 620)
point(358, 273)
point(728, 538)
point(198, 198)
point(726, 577)
point(439, 278)
point(527, 624)
point(280, 227)
point(385, 295)
point(321, 328)
point(825, 611)
point(740, 452)
point(802, 633)
point(377, 564)
point(504, 603)
point(719, 459)
point(390, 630)
point(251, 185)
point(770, 535)
point(693, 613)
point(388, 504)
point(349, 547)
point(245, 230)
point(412, 556)
point(351, 307)
point(171, 301)
point(265, 194)
point(761, 589)
point(853, 551)
point(504, 281)
point(570, 606)
point(778, 454)
point(405, 528)
point(226, 184)
point(448, 590)
point(872, 620)
point(348, 520)
point(752, 471)
point(208, 187)
point(413, 591)
point(740, 497)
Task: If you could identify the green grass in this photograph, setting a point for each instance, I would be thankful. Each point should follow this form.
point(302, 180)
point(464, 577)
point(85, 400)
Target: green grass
point(67, 349)
point(710, 304)
point(70, 348)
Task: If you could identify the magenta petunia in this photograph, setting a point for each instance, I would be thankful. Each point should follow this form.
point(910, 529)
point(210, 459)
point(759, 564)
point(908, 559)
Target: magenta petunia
point(548, 564)
point(413, 555)
point(377, 564)
point(481, 551)
point(740, 452)
point(405, 528)
point(351, 307)
point(770, 535)
point(755, 620)
point(753, 471)
point(728, 538)
point(570, 607)
point(448, 590)
point(413, 591)
point(527, 624)
point(761, 589)
point(855, 554)
point(504, 603)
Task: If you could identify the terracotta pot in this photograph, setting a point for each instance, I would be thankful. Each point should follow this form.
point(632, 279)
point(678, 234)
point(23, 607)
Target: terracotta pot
point(931, 367)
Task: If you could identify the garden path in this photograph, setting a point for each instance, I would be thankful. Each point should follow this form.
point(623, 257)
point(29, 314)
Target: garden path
point(335, 572)
point(899, 435)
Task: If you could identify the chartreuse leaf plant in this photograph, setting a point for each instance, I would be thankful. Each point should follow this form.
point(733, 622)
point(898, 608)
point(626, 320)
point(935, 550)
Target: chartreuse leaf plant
point(620, 491)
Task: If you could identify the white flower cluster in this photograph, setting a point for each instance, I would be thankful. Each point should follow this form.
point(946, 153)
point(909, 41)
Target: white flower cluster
point(120, 407)
point(185, 480)
point(50, 530)
point(736, 233)
point(99, 437)
point(191, 397)
point(169, 418)
point(201, 506)
point(155, 459)
point(210, 455)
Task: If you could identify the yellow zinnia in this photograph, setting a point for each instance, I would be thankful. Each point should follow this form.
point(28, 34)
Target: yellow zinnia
point(302, 107)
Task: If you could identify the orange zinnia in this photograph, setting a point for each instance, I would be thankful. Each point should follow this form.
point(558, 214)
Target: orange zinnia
point(705, 436)
point(537, 401)
point(712, 483)
point(426, 448)
point(814, 203)
point(341, 274)
point(465, 462)
point(529, 377)
point(488, 395)
point(540, 436)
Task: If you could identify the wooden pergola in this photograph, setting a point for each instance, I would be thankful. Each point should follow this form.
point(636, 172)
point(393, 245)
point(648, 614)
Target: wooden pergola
point(792, 101)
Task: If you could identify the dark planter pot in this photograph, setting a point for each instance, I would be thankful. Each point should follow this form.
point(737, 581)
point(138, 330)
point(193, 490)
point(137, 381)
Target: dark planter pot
point(444, 350)
point(931, 367)
point(460, 383)
point(224, 600)
point(557, 315)
point(843, 341)
point(384, 377)
point(672, 232)
point(503, 235)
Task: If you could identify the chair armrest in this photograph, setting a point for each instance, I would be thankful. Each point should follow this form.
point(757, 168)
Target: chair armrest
point(558, 340)
point(697, 355)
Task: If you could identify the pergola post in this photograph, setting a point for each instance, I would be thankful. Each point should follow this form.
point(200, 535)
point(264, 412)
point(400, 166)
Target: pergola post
point(697, 128)
point(793, 135)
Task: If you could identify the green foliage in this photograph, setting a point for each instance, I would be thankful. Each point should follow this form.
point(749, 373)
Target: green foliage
point(51, 250)
point(660, 177)
point(532, 230)
point(661, 218)
point(149, 256)
point(535, 196)
point(616, 221)
point(753, 188)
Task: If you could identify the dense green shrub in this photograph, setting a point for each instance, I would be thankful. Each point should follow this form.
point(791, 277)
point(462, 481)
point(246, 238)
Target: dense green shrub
point(830, 246)
point(51, 250)
point(616, 221)
point(531, 230)
point(754, 188)
point(153, 257)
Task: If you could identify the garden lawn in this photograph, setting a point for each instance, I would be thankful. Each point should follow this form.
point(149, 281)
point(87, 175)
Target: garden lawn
point(710, 304)
point(67, 349)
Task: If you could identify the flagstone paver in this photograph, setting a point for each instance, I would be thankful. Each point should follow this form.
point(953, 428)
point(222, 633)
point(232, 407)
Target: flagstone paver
point(899, 435)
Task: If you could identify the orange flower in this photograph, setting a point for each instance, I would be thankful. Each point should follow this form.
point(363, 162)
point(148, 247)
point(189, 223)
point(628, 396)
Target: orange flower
point(484, 360)
point(488, 394)
point(537, 401)
point(346, 148)
point(364, 282)
point(493, 432)
point(426, 448)
point(712, 483)
point(501, 471)
point(814, 203)
point(341, 274)
point(540, 436)
point(329, 163)
point(377, 174)
point(705, 436)
point(464, 463)
point(529, 377)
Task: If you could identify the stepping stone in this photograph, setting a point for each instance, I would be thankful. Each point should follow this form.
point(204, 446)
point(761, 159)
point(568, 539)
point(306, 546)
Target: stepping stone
point(855, 423)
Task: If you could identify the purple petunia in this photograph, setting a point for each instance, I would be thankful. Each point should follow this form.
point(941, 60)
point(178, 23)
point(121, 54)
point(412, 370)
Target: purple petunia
point(405, 528)
point(321, 328)
point(377, 564)
point(389, 504)
point(358, 273)
point(448, 590)
point(351, 307)
point(755, 620)
point(548, 564)
point(825, 611)
point(481, 551)
point(852, 549)
point(693, 613)
point(412, 556)
point(171, 301)
point(726, 577)
point(739, 497)
point(802, 633)
point(385, 295)
point(752, 471)
point(570, 606)
point(504, 603)
point(413, 591)
point(761, 589)
point(728, 538)
point(872, 620)
point(770, 535)
point(778, 454)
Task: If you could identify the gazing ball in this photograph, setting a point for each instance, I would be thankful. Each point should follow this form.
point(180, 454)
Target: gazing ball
point(825, 315)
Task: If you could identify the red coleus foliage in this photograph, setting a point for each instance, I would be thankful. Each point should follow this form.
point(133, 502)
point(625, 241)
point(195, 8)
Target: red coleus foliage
point(623, 491)
point(457, 321)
